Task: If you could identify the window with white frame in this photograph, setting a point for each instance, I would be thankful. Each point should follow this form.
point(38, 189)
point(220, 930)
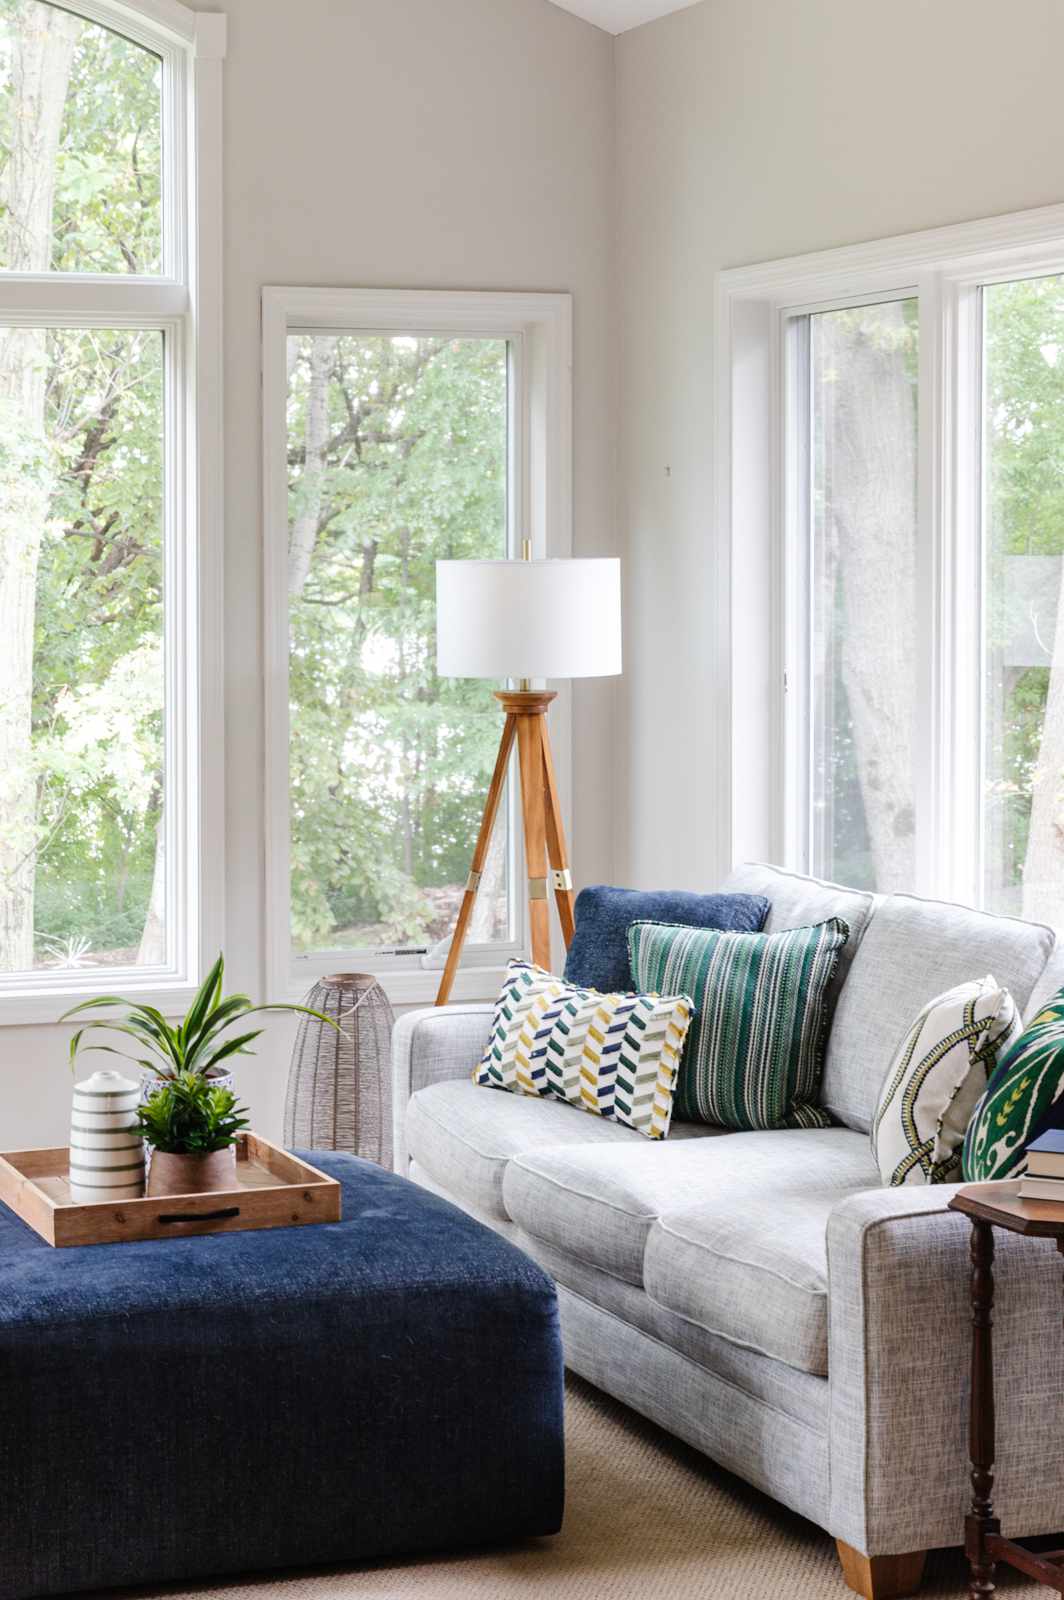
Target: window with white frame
point(906, 402)
point(104, 352)
point(402, 428)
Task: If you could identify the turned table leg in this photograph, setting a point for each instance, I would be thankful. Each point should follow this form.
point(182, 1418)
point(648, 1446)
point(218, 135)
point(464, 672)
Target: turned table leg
point(981, 1521)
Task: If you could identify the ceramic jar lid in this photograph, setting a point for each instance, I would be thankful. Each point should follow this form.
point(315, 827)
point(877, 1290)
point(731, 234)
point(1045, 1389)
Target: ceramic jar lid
point(107, 1085)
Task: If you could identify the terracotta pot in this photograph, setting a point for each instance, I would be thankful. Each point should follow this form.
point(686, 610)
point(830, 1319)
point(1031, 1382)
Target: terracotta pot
point(217, 1077)
point(172, 1174)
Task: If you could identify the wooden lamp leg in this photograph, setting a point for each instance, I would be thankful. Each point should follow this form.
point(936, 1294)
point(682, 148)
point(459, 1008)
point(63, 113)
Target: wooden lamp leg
point(881, 1577)
point(526, 721)
point(563, 878)
point(480, 856)
point(533, 805)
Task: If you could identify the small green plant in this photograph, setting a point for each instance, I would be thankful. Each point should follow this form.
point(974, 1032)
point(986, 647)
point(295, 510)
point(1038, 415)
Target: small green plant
point(194, 1045)
point(187, 1116)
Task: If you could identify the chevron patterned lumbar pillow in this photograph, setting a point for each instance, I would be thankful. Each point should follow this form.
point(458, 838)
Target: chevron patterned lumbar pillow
point(754, 1053)
point(614, 1055)
point(936, 1079)
point(1024, 1097)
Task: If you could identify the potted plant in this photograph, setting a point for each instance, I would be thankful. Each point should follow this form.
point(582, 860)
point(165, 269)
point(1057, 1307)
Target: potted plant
point(192, 1128)
point(189, 1114)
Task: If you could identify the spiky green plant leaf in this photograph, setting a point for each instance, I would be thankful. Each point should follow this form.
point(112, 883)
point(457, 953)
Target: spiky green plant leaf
point(193, 1047)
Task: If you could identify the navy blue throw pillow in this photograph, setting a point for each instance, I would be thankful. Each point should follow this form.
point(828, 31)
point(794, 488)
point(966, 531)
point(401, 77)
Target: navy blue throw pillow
point(598, 955)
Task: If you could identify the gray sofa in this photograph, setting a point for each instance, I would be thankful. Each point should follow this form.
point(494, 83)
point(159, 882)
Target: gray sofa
point(762, 1295)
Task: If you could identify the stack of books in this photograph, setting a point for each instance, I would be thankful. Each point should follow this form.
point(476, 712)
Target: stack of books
point(1045, 1168)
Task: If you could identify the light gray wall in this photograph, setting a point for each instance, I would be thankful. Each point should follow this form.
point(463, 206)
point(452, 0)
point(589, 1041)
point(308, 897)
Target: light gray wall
point(747, 130)
point(398, 143)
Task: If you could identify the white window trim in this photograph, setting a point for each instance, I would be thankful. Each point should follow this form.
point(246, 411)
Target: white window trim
point(540, 328)
point(755, 591)
point(185, 304)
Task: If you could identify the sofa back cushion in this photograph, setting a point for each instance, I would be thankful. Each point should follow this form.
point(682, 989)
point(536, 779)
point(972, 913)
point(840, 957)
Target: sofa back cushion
point(1050, 983)
point(912, 950)
point(798, 902)
point(598, 952)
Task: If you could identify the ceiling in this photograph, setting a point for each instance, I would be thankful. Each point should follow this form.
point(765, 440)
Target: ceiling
point(618, 15)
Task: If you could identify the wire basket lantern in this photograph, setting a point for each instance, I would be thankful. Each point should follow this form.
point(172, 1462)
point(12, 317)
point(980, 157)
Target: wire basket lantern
point(339, 1084)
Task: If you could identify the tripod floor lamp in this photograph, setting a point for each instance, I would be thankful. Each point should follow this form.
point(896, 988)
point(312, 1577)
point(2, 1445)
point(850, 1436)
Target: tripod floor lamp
point(523, 620)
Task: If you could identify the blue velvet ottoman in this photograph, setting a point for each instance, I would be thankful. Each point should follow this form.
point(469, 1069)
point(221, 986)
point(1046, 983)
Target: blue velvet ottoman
point(387, 1384)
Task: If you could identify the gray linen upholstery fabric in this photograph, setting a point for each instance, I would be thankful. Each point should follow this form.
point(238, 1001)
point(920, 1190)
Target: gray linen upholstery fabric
point(1049, 984)
point(431, 1047)
point(913, 950)
point(796, 901)
point(600, 1202)
point(464, 1135)
point(798, 1395)
point(418, 1175)
point(749, 1262)
point(777, 1454)
point(899, 1311)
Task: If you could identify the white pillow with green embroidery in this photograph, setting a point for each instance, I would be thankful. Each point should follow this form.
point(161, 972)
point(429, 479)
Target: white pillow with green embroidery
point(936, 1081)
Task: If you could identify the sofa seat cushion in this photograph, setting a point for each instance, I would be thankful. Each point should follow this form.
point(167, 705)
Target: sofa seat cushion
point(749, 1261)
point(600, 1204)
point(913, 950)
point(463, 1135)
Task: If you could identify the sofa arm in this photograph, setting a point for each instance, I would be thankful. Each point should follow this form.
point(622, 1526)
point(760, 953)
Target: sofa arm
point(898, 1363)
point(429, 1047)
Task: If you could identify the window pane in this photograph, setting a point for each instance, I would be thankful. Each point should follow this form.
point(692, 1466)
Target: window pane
point(81, 676)
point(397, 451)
point(1023, 814)
point(863, 515)
point(80, 136)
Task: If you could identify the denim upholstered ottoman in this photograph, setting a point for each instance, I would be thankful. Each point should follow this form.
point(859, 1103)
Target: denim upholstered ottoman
point(387, 1384)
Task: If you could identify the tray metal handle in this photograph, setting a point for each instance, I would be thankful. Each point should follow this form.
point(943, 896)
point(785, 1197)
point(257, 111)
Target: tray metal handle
point(200, 1216)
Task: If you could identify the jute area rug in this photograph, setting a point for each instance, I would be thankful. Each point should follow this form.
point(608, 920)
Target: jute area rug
point(646, 1519)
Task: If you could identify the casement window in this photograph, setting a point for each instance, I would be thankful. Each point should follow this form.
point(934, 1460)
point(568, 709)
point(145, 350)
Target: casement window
point(109, 384)
point(401, 428)
point(891, 480)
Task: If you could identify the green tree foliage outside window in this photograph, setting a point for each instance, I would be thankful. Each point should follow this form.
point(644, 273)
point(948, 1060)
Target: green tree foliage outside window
point(397, 458)
point(81, 479)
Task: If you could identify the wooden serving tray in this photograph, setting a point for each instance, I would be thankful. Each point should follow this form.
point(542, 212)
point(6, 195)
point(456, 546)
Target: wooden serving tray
point(273, 1190)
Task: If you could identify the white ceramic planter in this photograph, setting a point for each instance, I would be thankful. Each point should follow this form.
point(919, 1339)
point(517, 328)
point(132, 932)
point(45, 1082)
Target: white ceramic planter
point(106, 1160)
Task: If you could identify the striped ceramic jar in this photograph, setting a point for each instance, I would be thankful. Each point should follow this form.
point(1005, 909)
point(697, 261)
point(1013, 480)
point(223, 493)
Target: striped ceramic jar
point(106, 1160)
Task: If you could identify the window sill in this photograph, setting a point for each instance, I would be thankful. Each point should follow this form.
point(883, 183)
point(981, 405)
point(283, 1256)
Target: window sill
point(419, 985)
point(40, 1007)
point(29, 1007)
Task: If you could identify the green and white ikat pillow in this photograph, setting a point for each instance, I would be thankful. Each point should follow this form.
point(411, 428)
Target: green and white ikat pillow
point(1024, 1097)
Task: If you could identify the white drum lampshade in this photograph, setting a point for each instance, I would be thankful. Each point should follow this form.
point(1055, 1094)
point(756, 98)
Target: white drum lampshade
point(528, 619)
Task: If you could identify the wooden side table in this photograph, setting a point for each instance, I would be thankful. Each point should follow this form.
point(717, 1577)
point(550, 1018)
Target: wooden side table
point(990, 1206)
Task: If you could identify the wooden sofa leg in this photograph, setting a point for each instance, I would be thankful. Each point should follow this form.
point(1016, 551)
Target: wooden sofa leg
point(881, 1577)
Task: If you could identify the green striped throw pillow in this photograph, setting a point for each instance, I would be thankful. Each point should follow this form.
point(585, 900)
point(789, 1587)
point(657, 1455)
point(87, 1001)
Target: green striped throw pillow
point(754, 1050)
